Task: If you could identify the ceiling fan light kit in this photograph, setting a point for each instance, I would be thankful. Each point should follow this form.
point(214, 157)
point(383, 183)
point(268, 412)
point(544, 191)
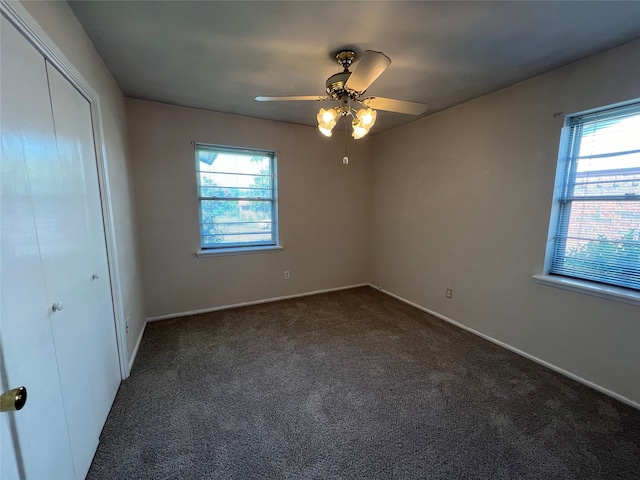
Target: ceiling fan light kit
point(348, 87)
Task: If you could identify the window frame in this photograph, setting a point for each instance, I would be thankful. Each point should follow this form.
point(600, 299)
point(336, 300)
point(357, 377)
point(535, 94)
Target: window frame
point(239, 248)
point(566, 171)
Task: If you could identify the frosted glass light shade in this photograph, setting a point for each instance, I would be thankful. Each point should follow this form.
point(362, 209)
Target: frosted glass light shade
point(367, 117)
point(327, 120)
point(359, 130)
point(326, 131)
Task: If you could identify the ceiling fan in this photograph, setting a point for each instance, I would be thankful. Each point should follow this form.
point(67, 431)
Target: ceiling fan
point(348, 88)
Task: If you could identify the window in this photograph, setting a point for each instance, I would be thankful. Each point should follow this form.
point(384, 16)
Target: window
point(595, 227)
point(237, 198)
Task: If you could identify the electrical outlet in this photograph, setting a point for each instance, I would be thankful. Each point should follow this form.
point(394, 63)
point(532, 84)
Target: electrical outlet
point(286, 275)
point(449, 293)
point(380, 286)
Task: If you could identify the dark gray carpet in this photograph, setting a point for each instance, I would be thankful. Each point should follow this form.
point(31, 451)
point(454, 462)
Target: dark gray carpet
point(353, 384)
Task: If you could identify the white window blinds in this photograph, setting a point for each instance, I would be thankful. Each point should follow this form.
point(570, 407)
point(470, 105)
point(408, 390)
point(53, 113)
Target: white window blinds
point(597, 234)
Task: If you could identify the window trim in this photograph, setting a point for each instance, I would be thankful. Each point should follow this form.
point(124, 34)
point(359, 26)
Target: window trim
point(221, 252)
point(242, 249)
point(588, 287)
point(610, 292)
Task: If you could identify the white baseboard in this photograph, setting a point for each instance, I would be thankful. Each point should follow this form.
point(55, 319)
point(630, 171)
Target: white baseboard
point(137, 347)
point(544, 363)
point(255, 302)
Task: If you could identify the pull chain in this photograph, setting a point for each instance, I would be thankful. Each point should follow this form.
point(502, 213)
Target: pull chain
point(345, 159)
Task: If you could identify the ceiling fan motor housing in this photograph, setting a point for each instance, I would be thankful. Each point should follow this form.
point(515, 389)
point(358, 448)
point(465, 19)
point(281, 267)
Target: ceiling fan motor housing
point(335, 85)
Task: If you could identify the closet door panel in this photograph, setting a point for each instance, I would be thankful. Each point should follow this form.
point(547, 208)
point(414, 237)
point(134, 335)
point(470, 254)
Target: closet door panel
point(85, 339)
point(76, 149)
point(35, 442)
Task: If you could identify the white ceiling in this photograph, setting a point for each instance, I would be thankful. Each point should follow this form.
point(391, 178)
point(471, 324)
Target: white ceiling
point(220, 55)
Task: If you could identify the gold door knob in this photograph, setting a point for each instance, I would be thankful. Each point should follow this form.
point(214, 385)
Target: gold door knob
point(13, 399)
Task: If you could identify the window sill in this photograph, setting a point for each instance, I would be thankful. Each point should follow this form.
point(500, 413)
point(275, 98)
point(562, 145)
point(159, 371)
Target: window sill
point(618, 294)
point(220, 252)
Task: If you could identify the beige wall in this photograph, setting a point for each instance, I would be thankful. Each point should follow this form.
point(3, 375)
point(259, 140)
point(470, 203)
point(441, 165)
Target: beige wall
point(462, 199)
point(61, 26)
point(323, 208)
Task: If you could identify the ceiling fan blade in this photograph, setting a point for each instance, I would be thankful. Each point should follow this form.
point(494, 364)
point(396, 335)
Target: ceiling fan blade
point(370, 66)
point(391, 105)
point(292, 98)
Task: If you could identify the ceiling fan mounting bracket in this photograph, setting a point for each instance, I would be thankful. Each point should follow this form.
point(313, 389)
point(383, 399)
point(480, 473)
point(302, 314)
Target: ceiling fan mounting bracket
point(345, 58)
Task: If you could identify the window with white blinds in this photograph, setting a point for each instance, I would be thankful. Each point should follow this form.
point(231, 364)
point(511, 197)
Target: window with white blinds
point(596, 225)
point(236, 196)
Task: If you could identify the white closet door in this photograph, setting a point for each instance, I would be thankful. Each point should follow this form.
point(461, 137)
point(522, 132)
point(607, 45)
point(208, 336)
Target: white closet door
point(35, 442)
point(76, 150)
point(84, 332)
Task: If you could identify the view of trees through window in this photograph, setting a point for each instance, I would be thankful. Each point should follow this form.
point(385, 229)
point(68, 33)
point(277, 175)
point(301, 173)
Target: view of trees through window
point(236, 195)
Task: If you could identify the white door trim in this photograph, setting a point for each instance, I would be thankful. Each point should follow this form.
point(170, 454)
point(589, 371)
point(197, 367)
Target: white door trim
point(25, 23)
